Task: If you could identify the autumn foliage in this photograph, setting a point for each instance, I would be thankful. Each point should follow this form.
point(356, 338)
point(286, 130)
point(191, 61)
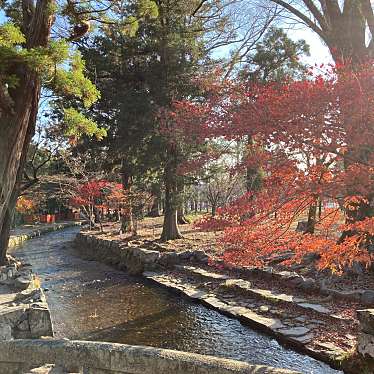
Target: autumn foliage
point(25, 205)
point(314, 140)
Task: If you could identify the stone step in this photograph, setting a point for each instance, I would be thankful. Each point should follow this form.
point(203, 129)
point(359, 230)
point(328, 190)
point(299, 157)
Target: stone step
point(246, 287)
point(208, 275)
point(298, 331)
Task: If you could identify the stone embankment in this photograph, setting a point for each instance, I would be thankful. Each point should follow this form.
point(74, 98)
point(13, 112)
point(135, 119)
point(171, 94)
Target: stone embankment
point(23, 233)
point(24, 312)
point(20, 356)
point(363, 296)
point(300, 316)
point(134, 259)
point(27, 345)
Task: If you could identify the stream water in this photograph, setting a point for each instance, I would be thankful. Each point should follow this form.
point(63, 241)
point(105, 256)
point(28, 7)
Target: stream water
point(92, 301)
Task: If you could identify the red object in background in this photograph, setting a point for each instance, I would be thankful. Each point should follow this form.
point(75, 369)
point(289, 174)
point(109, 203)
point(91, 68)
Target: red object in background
point(47, 218)
point(72, 216)
point(29, 219)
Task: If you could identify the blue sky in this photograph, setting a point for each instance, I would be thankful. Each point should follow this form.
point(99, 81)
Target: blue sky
point(319, 53)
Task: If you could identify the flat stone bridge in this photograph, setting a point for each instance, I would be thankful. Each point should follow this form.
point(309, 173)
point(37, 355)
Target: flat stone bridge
point(21, 356)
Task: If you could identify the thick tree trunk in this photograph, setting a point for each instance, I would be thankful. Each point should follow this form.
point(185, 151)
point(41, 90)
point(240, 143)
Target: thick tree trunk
point(18, 122)
point(15, 136)
point(4, 234)
point(155, 209)
point(8, 218)
point(127, 219)
point(170, 228)
point(253, 174)
point(181, 219)
point(312, 215)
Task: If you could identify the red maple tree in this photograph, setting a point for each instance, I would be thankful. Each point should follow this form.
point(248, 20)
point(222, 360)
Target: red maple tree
point(316, 140)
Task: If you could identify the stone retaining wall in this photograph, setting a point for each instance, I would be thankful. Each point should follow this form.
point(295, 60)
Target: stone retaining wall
point(24, 311)
point(364, 296)
point(19, 356)
point(135, 260)
point(18, 239)
point(365, 344)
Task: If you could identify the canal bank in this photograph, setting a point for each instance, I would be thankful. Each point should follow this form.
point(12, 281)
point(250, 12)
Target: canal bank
point(303, 321)
point(92, 301)
point(25, 232)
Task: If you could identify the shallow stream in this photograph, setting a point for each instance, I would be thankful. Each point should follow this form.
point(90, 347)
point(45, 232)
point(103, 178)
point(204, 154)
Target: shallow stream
point(92, 301)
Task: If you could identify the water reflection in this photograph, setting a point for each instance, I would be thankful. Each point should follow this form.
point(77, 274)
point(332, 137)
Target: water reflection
point(91, 301)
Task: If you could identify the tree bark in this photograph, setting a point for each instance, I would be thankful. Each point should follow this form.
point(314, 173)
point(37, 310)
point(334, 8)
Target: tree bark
point(127, 221)
point(181, 219)
point(170, 229)
point(5, 233)
point(253, 174)
point(312, 215)
point(18, 122)
point(155, 209)
point(9, 214)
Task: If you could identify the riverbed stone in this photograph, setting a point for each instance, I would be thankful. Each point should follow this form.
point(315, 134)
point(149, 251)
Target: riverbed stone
point(200, 256)
point(365, 344)
point(308, 284)
point(5, 332)
point(367, 297)
point(22, 282)
point(316, 307)
point(366, 318)
point(331, 349)
point(294, 331)
point(185, 255)
point(304, 339)
point(271, 323)
point(40, 321)
point(168, 259)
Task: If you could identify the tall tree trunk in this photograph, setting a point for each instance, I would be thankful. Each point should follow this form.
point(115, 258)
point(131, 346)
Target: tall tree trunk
point(320, 208)
point(127, 223)
point(253, 174)
point(18, 122)
point(170, 229)
point(181, 219)
point(155, 209)
point(5, 229)
point(214, 209)
point(312, 215)
point(8, 217)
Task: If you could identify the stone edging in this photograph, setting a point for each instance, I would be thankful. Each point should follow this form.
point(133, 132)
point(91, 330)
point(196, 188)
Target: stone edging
point(152, 267)
point(24, 313)
point(174, 271)
point(364, 296)
point(97, 357)
point(15, 240)
point(135, 260)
